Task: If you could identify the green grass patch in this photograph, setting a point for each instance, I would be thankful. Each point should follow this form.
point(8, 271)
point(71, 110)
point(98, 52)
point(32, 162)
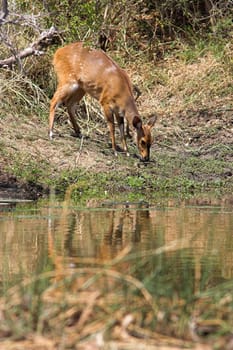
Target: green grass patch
point(172, 176)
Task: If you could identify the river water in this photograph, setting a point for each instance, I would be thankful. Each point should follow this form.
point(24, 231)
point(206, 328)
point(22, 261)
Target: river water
point(191, 240)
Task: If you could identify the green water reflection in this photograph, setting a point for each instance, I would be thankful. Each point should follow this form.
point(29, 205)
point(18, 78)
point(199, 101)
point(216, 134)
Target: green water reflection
point(202, 231)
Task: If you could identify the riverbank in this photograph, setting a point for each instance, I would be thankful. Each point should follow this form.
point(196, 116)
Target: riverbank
point(192, 150)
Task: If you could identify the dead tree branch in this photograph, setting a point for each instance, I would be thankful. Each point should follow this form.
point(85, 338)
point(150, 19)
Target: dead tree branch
point(38, 47)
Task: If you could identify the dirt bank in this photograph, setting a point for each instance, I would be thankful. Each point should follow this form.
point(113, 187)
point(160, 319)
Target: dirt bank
point(30, 162)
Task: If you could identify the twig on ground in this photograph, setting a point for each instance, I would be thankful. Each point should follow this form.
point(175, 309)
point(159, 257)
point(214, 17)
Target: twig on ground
point(79, 153)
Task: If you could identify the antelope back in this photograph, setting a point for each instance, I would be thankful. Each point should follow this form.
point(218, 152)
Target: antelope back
point(93, 71)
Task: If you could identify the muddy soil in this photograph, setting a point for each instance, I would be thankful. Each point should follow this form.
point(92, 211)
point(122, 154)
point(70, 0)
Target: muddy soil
point(11, 187)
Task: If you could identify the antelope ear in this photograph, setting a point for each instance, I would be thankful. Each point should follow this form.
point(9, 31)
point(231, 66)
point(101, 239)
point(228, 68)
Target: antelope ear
point(151, 121)
point(137, 123)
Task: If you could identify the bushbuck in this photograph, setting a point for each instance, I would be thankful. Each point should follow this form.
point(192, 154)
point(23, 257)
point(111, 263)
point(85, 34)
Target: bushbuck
point(82, 70)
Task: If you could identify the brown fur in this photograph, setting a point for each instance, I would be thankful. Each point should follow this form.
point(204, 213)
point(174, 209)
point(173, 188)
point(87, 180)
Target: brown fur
point(81, 70)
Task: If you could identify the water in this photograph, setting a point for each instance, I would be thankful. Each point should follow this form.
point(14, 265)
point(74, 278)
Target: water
point(196, 236)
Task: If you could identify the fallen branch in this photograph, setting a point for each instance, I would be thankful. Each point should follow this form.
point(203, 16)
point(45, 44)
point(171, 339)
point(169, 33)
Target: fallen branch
point(46, 39)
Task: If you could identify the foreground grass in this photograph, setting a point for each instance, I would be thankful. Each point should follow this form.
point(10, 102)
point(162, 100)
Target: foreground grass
point(95, 306)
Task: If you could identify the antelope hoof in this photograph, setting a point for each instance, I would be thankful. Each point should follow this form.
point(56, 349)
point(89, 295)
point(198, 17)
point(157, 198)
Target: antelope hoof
point(78, 135)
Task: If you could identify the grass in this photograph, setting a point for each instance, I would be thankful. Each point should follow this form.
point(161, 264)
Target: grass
point(172, 176)
point(96, 303)
point(22, 94)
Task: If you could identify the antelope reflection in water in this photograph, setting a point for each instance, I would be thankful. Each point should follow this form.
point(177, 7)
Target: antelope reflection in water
point(101, 233)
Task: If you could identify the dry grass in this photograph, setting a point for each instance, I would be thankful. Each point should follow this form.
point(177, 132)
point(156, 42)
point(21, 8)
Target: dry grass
point(168, 88)
point(20, 96)
point(87, 308)
point(207, 83)
point(97, 306)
